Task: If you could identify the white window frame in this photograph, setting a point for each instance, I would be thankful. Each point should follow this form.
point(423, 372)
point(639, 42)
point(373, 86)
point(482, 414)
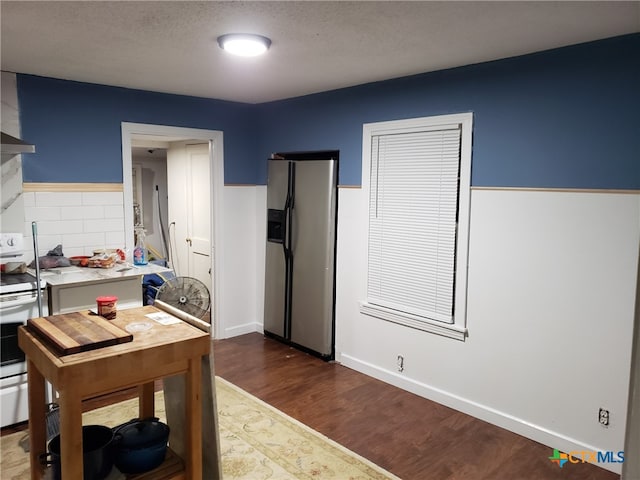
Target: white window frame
point(458, 329)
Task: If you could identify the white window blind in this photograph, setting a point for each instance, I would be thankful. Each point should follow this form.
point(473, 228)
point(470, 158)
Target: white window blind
point(413, 205)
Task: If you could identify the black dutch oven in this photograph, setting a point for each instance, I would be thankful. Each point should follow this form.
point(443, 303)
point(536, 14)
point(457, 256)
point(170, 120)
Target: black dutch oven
point(97, 453)
point(140, 445)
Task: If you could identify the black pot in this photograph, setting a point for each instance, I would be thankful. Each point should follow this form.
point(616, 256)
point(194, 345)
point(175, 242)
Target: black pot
point(97, 453)
point(140, 445)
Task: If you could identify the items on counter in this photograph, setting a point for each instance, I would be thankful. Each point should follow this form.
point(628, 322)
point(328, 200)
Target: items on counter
point(75, 332)
point(54, 258)
point(106, 258)
point(135, 327)
point(80, 261)
point(103, 261)
point(120, 255)
point(107, 307)
point(140, 253)
point(102, 258)
point(11, 268)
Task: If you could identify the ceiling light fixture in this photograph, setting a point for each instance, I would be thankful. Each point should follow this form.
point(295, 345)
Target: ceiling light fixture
point(244, 44)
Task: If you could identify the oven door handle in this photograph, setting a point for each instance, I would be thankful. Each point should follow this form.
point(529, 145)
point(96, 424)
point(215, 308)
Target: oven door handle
point(17, 303)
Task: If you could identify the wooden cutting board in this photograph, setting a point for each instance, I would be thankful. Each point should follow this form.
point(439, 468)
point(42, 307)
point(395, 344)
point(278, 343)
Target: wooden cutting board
point(78, 332)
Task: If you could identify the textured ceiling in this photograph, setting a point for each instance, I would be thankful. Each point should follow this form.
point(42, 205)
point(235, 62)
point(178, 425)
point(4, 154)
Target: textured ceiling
point(317, 46)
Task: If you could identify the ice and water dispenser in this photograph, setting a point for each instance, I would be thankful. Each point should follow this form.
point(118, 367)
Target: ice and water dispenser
point(276, 225)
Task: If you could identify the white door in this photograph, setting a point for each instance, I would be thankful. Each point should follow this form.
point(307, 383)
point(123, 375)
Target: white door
point(189, 190)
point(199, 213)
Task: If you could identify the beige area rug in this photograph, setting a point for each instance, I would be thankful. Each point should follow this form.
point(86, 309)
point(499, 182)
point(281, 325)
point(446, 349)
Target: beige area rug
point(257, 442)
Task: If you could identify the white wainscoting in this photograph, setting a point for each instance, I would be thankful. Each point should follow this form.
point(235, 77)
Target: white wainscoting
point(552, 285)
point(241, 268)
point(261, 251)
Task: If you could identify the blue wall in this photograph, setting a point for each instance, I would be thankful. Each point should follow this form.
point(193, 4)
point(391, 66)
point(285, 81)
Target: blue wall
point(561, 118)
point(76, 128)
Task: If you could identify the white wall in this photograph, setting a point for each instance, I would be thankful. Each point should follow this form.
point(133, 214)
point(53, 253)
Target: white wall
point(552, 282)
point(242, 265)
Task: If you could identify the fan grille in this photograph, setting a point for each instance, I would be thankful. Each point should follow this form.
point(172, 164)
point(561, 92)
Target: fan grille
point(187, 294)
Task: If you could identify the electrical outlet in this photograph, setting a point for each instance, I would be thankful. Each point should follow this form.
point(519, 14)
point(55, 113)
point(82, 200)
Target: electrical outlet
point(603, 417)
point(400, 363)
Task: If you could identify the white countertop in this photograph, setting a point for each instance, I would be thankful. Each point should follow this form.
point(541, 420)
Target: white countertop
point(70, 275)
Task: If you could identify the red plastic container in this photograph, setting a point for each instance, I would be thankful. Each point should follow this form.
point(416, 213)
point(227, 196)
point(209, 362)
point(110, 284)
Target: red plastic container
point(107, 307)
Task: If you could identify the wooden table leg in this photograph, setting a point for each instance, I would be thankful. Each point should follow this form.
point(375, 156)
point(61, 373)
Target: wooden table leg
point(146, 400)
point(193, 420)
point(37, 411)
point(71, 434)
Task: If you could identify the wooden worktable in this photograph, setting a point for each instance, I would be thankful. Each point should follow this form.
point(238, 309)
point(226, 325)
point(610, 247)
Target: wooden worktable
point(162, 351)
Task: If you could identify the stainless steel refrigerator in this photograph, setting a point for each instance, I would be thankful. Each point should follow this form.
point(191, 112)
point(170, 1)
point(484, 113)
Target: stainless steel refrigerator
point(300, 256)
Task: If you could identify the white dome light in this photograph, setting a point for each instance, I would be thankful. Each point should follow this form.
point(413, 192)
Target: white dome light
point(244, 44)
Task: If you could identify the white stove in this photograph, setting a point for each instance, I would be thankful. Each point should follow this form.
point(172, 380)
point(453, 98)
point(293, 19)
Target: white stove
point(18, 303)
point(11, 245)
point(19, 282)
point(11, 251)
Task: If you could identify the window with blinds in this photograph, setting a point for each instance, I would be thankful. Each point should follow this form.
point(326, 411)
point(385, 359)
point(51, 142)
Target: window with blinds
point(418, 186)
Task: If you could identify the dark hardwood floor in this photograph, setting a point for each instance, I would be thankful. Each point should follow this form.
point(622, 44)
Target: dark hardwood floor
point(408, 435)
point(412, 437)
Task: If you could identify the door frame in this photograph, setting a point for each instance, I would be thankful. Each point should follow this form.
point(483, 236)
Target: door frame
point(216, 158)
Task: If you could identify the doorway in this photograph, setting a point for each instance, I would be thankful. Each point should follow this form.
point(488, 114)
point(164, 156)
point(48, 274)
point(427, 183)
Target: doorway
point(194, 172)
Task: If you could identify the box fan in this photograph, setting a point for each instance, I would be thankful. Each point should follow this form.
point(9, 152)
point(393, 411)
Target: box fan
point(187, 294)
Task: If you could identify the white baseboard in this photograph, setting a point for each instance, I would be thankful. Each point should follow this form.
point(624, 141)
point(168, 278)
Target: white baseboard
point(242, 329)
point(501, 419)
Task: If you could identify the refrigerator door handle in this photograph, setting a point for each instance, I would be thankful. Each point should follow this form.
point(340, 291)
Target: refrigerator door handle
point(288, 212)
point(285, 247)
point(289, 205)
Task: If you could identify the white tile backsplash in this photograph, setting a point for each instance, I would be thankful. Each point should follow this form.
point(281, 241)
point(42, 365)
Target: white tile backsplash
point(42, 214)
point(82, 212)
point(79, 221)
point(76, 252)
point(102, 225)
point(114, 211)
point(102, 198)
point(52, 227)
point(114, 239)
point(29, 199)
point(82, 240)
point(58, 199)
